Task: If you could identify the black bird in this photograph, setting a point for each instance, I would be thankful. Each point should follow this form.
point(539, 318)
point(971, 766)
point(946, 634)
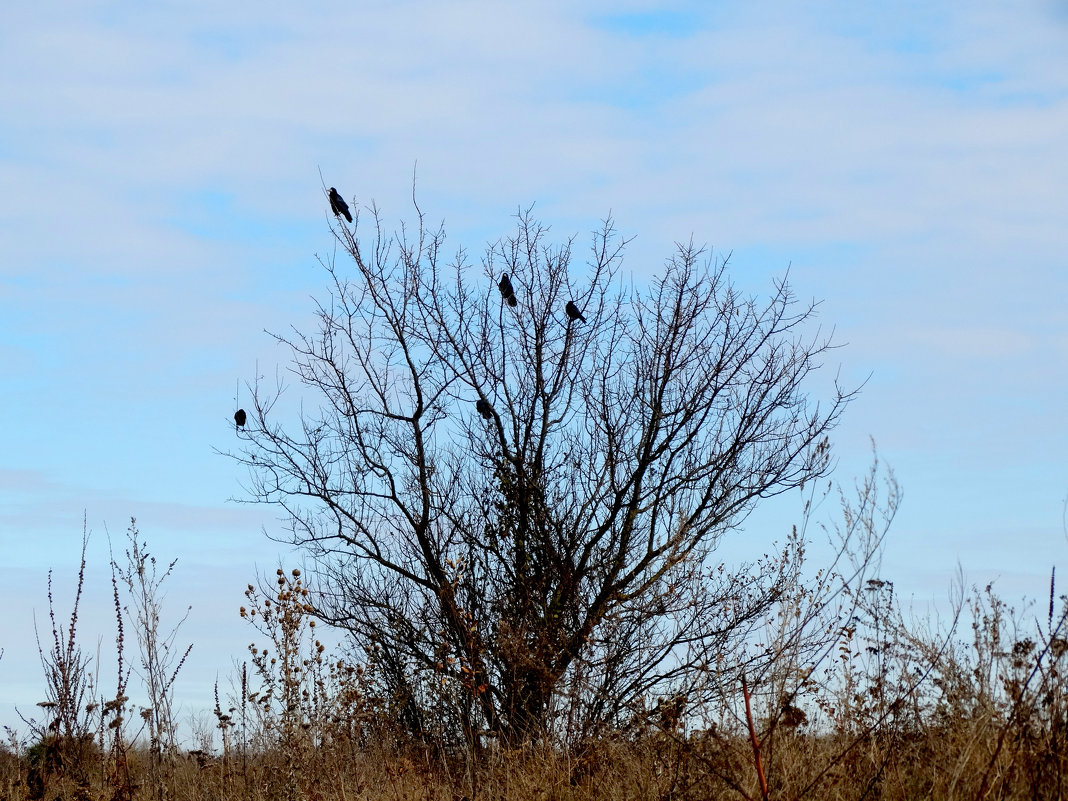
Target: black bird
point(484, 408)
point(505, 285)
point(338, 205)
point(239, 418)
point(573, 312)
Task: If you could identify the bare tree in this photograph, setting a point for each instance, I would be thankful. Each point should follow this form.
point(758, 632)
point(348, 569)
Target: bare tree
point(514, 512)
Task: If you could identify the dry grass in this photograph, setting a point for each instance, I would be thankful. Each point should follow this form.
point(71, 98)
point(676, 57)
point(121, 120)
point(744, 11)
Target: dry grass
point(935, 765)
point(893, 712)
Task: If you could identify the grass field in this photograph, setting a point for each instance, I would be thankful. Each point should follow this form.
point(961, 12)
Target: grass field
point(977, 711)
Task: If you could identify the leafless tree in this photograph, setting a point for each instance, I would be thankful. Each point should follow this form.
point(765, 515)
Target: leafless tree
point(514, 512)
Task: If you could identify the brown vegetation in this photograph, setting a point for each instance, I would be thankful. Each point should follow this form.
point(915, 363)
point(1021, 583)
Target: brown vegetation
point(896, 713)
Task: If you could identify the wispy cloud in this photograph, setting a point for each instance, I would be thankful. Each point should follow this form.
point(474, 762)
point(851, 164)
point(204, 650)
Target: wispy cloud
point(163, 207)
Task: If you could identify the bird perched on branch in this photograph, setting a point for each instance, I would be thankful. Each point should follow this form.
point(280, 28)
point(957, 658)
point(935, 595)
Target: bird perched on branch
point(239, 418)
point(573, 312)
point(338, 205)
point(505, 285)
point(484, 408)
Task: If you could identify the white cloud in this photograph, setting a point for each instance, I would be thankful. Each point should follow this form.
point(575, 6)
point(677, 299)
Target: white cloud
point(162, 207)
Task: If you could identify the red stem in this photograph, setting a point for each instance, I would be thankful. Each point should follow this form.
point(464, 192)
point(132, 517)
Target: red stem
point(755, 742)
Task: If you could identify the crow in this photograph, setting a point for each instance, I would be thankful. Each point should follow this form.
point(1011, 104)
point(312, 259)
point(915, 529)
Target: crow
point(505, 285)
point(484, 408)
point(338, 205)
point(573, 312)
point(239, 418)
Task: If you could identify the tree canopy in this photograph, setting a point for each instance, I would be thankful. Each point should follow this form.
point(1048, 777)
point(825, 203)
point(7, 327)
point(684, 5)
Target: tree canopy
point(515, 516)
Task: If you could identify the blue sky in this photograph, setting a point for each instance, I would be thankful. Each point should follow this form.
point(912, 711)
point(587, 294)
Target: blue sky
point(162, 207)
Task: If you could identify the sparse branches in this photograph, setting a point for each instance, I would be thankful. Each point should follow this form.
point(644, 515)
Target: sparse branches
point(115, 709)
point(306, 702)
point(515, 511)
point(161, 661)
point(64, 746)
point(68, 680)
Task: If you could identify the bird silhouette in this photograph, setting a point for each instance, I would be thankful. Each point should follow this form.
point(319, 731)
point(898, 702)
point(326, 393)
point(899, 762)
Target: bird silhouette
point(338, 205)
point(239, 418)
point(505, 285)
point(573, 312)
point(484, 408)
